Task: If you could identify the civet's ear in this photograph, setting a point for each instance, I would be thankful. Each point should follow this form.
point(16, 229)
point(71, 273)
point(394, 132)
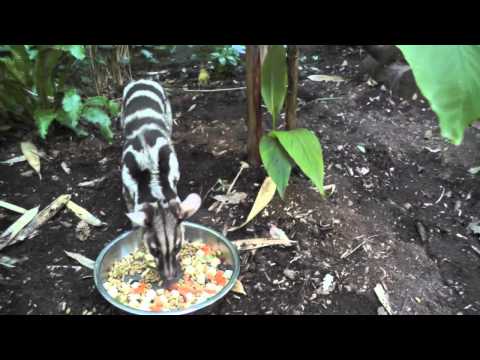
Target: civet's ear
point(190, 206)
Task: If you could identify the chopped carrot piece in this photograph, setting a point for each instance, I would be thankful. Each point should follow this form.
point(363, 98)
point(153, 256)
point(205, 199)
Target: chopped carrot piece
point(220, 278)
point(140, 289)
point(156, 306)
point(206, 249)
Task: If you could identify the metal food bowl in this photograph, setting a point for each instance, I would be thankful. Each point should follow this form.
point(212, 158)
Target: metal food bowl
point(131, 240)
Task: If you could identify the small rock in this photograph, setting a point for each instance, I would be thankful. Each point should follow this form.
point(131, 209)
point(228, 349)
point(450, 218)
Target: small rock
point(428, 135)
point(407, 206)
point(290, 274)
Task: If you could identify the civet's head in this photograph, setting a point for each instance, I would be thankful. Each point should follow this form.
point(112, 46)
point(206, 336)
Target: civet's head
point(163, 232)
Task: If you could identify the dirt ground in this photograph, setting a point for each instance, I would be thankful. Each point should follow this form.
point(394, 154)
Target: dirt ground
point(407, 179)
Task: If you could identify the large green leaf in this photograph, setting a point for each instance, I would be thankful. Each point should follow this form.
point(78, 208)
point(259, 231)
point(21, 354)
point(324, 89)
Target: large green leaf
point(304, 148)
point(47, 59)
point(43, 119)
point(276, 161)
point(72, 104)
point(23, 63)
point(274, 80)
point(449, 77)
point(99, 117)
point(77, 51)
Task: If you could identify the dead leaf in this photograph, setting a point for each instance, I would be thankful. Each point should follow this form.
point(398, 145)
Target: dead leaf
point(14, 160)
point(277, 233)
point(191, 108)
point(5, 128)
point(383, 298)
point(265, 195)
point(18, 225)
point(333, 78)
point(250, 244)
point(475, 227)
point(92, 183)
point(12, 207)
point(474, 170)
point(83, 214)
point(88, 263)
point(10, 262)
point(42, 217)
point(434, 151)
point(232, 198)
point(65, 167)
point(361, 148)
point(30, 152)
point(238, 288)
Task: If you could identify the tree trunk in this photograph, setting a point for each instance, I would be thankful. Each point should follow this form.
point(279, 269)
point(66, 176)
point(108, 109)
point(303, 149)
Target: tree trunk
point(291, 105)
point(254, 111)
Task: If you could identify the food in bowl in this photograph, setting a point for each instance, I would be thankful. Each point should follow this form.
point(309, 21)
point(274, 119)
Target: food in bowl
point(135, 282)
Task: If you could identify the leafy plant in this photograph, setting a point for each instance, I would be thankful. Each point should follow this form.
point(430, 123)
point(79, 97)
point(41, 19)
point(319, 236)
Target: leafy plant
point(449, 78)
point(281, 149)
point(227, 56)
point(32, 86)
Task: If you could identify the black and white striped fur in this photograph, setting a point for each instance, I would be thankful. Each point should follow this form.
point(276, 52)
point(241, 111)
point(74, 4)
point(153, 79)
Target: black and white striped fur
point(150, 174)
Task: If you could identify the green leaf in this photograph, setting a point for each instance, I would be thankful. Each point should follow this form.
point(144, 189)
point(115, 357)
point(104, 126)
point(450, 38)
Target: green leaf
point(46, 61)
point(24, 65)
point(449, 78)
point(274, 80)
point(276, 161)
point(100, 101)
point(72, 104)
point(99, 117)
point(304, 148)
point(222, 60)
point(113, 107)
point(77, 51)
point(43, 119)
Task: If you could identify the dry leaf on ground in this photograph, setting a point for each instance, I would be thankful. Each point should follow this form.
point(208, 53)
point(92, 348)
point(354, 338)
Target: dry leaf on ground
point(42, 217)
point(83, 214)
point(232, 198)
point(265, 195)
point(92, 183)
point(12, 207)
point(238, 288)
point(18, 225)
point(30, 152)
point(250, 244)
point(14, 160)
point(383, 298)
point(333, 78)
point(88, 263)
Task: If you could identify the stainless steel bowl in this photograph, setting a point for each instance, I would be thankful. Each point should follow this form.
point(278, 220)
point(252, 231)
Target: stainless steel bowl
point(130, 241)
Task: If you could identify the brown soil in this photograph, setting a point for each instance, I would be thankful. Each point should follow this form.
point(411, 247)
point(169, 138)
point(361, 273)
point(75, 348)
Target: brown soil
point(437, 275)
